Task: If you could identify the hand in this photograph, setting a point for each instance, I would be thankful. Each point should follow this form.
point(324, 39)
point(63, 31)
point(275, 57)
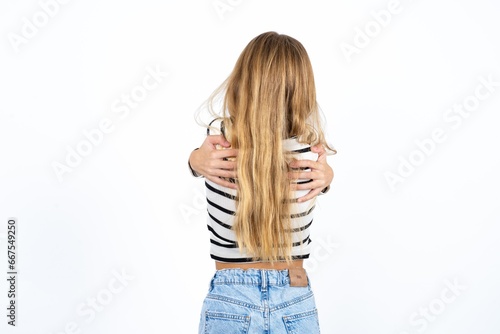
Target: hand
point(209, 161)
point(321, 174)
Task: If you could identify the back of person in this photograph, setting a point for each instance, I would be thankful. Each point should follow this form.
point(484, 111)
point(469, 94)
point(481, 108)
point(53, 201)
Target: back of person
point(259, 233)
point(221, 207)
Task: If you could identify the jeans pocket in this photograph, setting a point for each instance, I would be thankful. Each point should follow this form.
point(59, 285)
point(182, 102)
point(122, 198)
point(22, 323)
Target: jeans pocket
point(304, 322)
point(221, 322)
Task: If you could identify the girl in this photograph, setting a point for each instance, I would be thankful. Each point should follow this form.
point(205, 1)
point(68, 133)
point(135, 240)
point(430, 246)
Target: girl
point(259, 230)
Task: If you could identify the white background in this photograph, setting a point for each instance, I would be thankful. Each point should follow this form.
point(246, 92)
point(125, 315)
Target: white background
point(382, 256)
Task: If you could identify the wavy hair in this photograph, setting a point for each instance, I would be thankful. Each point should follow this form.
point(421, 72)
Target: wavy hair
point(269, 96)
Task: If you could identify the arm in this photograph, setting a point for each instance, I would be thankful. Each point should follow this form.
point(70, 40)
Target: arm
point(321, 173)
point(208, 161)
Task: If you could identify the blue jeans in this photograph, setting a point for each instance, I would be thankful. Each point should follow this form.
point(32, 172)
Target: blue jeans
point(257, 301)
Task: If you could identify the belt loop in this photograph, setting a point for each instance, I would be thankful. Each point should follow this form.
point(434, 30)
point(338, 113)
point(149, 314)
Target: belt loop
point(263, 279)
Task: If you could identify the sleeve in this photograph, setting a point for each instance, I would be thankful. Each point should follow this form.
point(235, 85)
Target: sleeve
point(217, 128)
point(195, 174)
point(325, 190)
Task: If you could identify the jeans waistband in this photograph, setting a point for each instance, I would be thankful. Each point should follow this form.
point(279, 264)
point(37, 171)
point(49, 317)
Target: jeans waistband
point(251, 276)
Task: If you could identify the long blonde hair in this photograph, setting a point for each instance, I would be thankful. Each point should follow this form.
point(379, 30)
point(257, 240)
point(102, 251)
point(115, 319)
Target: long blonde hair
point(269, 96)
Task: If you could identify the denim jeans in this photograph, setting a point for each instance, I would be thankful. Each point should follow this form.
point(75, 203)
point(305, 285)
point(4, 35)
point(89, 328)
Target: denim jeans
point(257, 301)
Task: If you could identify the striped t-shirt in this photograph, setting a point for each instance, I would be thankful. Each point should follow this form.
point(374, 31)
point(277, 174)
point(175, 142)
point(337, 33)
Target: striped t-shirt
point(221, 208)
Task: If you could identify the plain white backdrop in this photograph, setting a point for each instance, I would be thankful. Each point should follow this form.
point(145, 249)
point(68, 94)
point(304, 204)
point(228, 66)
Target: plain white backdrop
point(97, 123)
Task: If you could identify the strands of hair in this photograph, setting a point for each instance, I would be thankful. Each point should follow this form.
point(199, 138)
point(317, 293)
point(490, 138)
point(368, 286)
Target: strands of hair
point(269, 96)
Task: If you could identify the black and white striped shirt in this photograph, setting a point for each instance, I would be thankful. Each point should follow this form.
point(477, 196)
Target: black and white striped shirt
point(221, 209)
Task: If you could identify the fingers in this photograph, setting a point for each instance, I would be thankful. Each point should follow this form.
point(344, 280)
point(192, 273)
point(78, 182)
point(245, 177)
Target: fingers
point(304, 175)
point(216, 166)
point(310, 195)
point(223, 173)
point(305, 164)
point(322, 157)
point(318, 148)
point(227, 165)
point(217, 139)
point(225, 153)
